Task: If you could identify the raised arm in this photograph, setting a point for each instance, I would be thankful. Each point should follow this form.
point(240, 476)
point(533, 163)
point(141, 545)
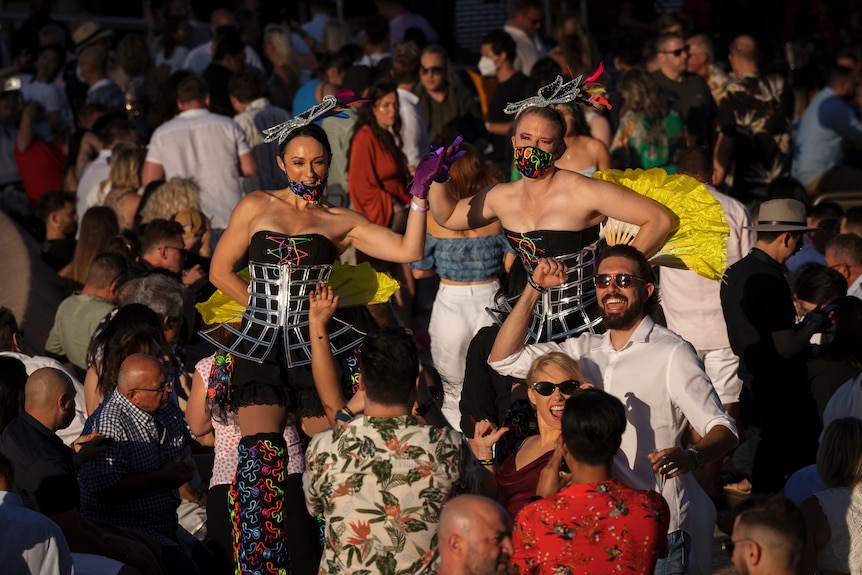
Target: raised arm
point(321, 309)
point(466, 214)
point(613, 201)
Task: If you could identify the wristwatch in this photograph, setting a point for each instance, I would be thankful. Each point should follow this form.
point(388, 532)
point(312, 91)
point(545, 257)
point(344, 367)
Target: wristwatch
point(697, 456)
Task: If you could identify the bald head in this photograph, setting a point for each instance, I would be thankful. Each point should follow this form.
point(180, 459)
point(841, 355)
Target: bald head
point(44, 386)
point(474, 536)
point(49, 397)
point(134, 368)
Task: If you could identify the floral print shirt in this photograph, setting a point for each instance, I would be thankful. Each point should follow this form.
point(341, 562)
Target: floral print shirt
point(592, 528)
point(380, 483)
point(643, 143)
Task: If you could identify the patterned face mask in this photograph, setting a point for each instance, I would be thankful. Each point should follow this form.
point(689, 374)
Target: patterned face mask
point(311, 194)
point(533, 162)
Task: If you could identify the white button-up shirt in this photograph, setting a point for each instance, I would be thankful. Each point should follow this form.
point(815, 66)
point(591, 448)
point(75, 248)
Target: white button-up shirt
point(659, 378)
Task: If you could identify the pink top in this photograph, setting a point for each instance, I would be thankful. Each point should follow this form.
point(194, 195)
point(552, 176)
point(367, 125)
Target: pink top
point(227, 438)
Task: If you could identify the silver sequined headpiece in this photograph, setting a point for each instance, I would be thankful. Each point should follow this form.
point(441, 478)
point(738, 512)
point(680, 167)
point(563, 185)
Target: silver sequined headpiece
point(328, 107)
point(556, 92)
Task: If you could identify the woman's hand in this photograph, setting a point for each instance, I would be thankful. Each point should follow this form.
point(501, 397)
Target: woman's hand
point(322, 305)
point(485, 435)
point(549, 272)
point(551, 480)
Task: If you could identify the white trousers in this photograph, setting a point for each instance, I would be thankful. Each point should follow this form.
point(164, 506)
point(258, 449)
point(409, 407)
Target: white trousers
point(458, 313)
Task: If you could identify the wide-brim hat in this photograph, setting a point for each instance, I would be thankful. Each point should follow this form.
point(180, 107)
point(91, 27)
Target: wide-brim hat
point(88, 33)
point(782, 215)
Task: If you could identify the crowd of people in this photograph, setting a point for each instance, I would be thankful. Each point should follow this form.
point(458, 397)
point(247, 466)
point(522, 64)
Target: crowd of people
point(240, 215)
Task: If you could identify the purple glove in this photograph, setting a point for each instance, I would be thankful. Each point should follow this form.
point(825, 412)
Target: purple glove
point(453, 153)
point(426, 171)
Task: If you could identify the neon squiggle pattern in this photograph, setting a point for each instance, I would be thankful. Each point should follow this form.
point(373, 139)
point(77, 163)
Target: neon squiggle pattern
point(256, 501)
point(530, 252)
point(287, 250)
point(533, 162)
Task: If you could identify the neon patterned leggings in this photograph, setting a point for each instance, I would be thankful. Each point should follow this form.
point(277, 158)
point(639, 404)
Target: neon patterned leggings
point(257, 506)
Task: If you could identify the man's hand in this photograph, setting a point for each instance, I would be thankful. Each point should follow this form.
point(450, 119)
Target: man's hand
point(89, 447)
point(672, 462)
point(176, 473)
point(549, 272)
point(193, 275)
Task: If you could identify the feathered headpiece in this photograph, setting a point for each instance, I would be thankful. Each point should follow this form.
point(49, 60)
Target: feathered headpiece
point(328, 107)
point(588, 91)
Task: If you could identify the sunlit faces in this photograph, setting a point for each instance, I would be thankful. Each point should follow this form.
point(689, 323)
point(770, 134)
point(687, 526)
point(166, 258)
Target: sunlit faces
point(622, 308)
point(674, 55)
point(538, 132)
point(432, 72)
point(489, 544)
point(174, 254)
point(386, 110)
point(67, 219)
point(549, 408)
point(305, 161)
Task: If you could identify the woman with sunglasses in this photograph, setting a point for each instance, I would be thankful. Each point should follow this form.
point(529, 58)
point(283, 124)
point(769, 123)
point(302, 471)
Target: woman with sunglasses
point(552, 379)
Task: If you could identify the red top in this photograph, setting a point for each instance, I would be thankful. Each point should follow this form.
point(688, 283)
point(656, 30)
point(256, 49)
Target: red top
point(41, 168)
point(594, 529)
point(374, 178)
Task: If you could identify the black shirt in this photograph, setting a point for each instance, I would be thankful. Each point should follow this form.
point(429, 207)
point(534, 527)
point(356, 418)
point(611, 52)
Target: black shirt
point(515, 89)
point(43, 466)
point(693, 101)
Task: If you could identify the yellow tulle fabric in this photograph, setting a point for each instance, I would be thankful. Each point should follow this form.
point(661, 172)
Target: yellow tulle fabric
point(354, 285)
point(700, 242)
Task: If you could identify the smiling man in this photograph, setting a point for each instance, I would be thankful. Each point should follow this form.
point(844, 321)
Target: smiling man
point(660, 380)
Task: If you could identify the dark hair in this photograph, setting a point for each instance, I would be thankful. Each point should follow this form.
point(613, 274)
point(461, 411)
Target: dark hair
point(13, 379)
point(376, 29)
point(7, 474)
point(169, 108)
point(227, 43)
point(340, 61)
point(391, 141)
point(245, 87)
point(121, 346)
point(781, 517)
point(825, 211)
point(133, 55)
point(847, 248)
point(696, 162)
point(840, 74)
point(787, 187)
point(814, 282)
point(61, 56)
point(173, 24)
point(643, 270)
point(405, 63)
point(98, 225)
point(111, 127)
point(311, 131)
point(501, 43)
point(389, 364)
point(53, 201)
point(8, 329)
point(545, 71)
point(192, 88)
point(592, 426)
point(844, 341)
point(157, 232)
point(105, 269)
point(127, 244)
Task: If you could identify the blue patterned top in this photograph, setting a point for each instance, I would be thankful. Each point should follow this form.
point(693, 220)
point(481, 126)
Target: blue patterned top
point(465, 259)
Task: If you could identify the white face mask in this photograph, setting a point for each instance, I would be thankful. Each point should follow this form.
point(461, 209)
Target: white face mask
point(487, 67)
point(79, 75)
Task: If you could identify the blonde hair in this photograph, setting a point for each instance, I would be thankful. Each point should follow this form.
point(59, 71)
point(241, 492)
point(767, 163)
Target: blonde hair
point(126, 166)
point(559, 360)
point(173, 196)
point(839, 458)
point(279, 37)
point(336, 35)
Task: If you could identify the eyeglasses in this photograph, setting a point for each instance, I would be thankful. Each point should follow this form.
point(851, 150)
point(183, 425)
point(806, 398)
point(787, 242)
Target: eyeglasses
point(165, 387)
point(676, 53)
point(547, 388)
point(432, 70)
point(729, 544)
point(622, 280)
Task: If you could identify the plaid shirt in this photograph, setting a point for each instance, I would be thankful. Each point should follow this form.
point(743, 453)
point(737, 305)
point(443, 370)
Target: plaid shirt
point(143, 443)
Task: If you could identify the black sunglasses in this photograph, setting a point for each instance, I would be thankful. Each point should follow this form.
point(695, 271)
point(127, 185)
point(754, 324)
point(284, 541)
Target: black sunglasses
point(547, 388)
point(676, 53)
point(622, 280)
point(432, 69)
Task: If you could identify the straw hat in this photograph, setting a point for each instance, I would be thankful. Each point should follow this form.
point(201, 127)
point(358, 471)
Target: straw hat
point(87, 34)
point(783, 215)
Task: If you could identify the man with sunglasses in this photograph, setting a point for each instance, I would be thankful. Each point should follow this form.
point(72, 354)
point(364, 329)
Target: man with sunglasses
point(134, 484)
point(776, 405)
point(687, 93)
point(659, 378)
point(162, 247)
